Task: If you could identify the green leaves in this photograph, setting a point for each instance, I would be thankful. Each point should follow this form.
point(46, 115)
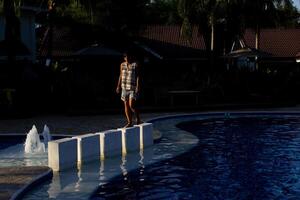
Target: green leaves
point(76, 11)
point(186, 29)
point(233, 16)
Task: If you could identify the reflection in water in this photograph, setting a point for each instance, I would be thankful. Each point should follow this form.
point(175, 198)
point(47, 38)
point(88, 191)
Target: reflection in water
point(172, 144)
point(80, 183)
point(123, 167)
point(61, 181)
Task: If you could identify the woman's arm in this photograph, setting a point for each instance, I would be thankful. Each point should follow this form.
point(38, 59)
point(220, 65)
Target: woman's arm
point(119, 81)
point(138, 79)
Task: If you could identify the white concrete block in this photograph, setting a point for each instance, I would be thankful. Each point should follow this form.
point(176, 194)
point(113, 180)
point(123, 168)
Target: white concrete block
point(130, 139)
point(88, 147)
point(110, 143)
point(146, 134)
point(62, 153)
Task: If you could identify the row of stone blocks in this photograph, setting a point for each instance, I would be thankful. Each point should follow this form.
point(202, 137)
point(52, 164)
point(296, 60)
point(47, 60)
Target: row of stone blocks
point(67, 152)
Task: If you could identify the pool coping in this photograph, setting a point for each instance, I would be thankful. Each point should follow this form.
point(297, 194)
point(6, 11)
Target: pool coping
point(24, 134)
point(36, 180)
point(18, 189)
point(212, 113)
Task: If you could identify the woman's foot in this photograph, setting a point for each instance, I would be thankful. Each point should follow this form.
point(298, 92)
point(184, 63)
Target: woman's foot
point(139, 122)
point(129, 124)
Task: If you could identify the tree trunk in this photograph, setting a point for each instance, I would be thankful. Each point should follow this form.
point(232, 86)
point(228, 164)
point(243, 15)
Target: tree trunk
point(212, 48)
point(212, 37)
point(50, 21)
point(257, 37)
point(12, 29)
point(257, 43)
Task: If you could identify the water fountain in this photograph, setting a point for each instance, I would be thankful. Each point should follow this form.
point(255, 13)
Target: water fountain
point(33, 143)
point(31, 153)
point(46, 135)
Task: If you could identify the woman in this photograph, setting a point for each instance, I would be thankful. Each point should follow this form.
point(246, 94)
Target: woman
point(129, 85)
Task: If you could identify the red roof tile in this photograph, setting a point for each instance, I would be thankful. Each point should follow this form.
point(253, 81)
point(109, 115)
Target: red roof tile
point(64, 43)
point(171, 34)
point(278, 42)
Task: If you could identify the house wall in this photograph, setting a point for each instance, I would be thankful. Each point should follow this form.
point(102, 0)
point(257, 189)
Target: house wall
point(27, 23)
point(2, 24)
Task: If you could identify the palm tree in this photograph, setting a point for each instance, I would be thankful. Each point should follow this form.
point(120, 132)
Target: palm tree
point(287, 13)
point(207, 14)
point(12, 28)
point(89, 6)
point(235, 14)
point(268, 14)
point(262, 10)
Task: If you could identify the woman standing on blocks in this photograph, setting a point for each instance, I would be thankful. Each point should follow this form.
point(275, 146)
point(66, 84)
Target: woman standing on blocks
point(129, 86)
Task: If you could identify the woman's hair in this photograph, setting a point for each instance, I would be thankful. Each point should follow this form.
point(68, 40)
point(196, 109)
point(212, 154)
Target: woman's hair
point(130, 56)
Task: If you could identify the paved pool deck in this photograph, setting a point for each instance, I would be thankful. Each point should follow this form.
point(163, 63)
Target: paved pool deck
point(69, 125)
point(14, 180)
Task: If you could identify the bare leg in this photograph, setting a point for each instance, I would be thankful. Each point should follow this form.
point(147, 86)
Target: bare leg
point(128, 114)
point(134, 110)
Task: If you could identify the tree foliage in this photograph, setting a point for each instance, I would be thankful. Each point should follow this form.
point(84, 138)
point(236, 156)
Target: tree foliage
point(112, 15)
point(128, 16)
point(74, 10)
point(287, 13)
point(162, 12)
point(233, 16)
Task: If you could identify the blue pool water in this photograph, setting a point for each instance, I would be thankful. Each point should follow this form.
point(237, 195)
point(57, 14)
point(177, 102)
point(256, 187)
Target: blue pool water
point(242, 157)
point(6, 142)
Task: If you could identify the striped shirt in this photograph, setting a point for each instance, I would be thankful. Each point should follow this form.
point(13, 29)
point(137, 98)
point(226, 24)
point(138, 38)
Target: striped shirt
point(128, 75)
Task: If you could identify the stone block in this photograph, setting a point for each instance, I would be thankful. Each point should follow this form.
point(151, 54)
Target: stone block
point(146, 134)
point(110, 143)
point(62, 153)
point(130, 139)
point(88, 147)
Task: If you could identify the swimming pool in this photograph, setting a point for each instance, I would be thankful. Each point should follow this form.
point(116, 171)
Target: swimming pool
point(245, 156)
point(201, 156)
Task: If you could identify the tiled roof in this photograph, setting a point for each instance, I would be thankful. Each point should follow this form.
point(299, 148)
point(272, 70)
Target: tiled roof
point(278, 42)
point(171, 34)
point(98, 50)
point(168, 51)
point(64, 43)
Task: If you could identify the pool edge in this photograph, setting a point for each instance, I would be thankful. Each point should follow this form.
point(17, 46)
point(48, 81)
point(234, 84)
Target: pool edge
point(19, 194)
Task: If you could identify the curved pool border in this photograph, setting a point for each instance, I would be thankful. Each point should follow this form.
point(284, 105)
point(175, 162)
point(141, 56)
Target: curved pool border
point(31, 184)
point(37, 179)
point(48, 175)
point(221, 113)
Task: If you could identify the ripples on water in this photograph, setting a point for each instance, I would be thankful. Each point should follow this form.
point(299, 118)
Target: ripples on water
point(238, 158)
